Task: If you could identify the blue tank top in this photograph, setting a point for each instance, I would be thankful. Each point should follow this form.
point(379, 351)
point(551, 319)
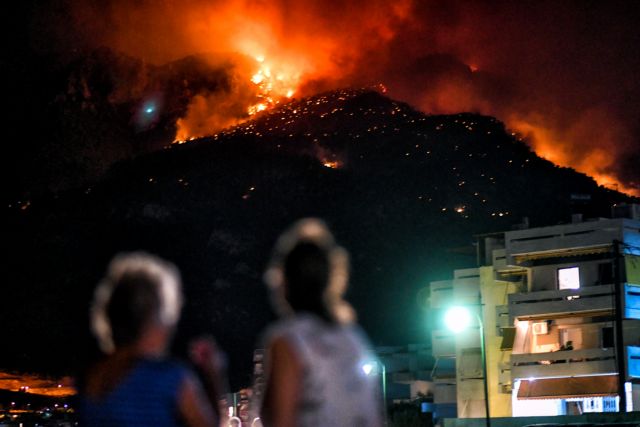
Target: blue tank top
point(146, 396)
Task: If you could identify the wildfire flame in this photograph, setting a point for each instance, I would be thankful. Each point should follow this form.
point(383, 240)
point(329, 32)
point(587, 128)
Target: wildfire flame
point(267, 85)
point(550, 146)
point(272, 87)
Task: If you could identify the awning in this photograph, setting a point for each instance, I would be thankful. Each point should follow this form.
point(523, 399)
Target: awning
point(564, 388)
point(572, 252)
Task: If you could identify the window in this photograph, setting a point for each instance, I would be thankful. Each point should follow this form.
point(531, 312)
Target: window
point(607, 337)
point(569, 278)
point(605, 273)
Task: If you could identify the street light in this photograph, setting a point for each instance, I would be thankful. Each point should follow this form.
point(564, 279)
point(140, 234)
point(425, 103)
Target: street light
point(457, 319)
point(367, 368)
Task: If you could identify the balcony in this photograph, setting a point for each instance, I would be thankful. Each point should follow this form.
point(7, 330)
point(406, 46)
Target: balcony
point(441, 293)
point(443, 343)
point(591, 361)
point(585, 237)
point(561, 303)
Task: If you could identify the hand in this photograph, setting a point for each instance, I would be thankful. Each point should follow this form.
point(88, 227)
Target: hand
point(206, 356)
point(212, 364)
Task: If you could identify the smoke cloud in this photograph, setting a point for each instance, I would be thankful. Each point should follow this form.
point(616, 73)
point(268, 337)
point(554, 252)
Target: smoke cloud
point(561, 74)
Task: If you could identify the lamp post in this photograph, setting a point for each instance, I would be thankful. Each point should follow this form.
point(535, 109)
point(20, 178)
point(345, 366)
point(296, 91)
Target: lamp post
point(458, 319)
point(367, 368)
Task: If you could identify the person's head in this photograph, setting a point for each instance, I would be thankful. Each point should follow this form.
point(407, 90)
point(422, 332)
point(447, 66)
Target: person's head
point(235, 422)
point(139, 293)
point(308, 272)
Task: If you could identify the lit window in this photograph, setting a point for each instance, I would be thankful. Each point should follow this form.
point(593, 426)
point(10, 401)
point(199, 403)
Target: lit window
point(569, 278)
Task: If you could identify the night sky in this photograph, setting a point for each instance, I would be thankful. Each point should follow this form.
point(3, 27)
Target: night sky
point(564, 75)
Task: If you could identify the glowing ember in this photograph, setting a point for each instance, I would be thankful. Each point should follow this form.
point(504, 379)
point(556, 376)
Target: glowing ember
point(332, 165)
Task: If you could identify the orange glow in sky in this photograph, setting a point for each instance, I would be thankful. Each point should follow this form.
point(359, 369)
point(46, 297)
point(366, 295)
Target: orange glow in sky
point(559, 96)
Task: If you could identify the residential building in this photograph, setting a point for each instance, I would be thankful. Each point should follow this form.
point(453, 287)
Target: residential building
point(571, 343)
point(559, 308)
point(407, 371)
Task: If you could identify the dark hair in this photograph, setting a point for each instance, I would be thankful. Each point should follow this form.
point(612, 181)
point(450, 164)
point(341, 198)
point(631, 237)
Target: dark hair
point(138, 288)
point(309, 272)
point(133, 304)
point(306, 274)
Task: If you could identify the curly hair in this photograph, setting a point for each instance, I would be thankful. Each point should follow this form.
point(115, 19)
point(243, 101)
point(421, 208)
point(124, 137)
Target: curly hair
point(308, 271)
point(138, 288)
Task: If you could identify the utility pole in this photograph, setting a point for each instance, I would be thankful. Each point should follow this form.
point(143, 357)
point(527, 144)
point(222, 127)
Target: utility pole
point(619, 318)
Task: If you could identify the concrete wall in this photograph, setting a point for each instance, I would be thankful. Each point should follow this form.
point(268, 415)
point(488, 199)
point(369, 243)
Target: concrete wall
point(494, 293)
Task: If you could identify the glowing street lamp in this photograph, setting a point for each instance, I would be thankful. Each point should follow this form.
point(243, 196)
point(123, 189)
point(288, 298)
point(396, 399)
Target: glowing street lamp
point(457, 319)
point(368, 369)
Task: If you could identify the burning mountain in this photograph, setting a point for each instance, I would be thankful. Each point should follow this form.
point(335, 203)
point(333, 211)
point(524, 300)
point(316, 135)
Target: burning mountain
point(562, 76)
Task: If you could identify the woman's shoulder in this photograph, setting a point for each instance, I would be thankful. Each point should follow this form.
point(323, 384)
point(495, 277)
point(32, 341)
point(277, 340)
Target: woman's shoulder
point(294, 327)
point(167, 369)
point(300, 332)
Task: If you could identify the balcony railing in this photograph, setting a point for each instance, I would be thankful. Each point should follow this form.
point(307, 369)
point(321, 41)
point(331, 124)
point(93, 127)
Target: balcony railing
point(632, 301)
point(633, 361)
point(443, 343)
point(592, 361)
point(559, 303)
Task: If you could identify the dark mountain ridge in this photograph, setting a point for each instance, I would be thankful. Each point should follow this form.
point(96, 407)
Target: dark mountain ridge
point(402, 190)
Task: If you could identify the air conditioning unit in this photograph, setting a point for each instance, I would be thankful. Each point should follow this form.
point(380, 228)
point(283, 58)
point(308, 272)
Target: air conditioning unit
point(540, 328)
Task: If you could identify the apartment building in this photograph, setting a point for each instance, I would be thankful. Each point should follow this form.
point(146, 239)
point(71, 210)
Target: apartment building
point(559, 310)
point(577, 323)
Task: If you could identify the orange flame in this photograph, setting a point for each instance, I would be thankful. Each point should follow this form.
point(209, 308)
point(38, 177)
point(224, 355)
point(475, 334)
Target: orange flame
point(551, 146)
point(269, 83)
point(332, 164)
point(272, 86)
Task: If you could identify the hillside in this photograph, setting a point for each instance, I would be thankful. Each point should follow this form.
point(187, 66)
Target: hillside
point(404, 192)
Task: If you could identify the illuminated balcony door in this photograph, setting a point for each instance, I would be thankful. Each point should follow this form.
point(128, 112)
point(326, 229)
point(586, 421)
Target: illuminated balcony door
point(569, 278)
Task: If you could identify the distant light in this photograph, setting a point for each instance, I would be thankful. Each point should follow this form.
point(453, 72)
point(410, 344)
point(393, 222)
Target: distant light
point(457, 319)
point(331, 164)
point(149, 110)
point(367, 368)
